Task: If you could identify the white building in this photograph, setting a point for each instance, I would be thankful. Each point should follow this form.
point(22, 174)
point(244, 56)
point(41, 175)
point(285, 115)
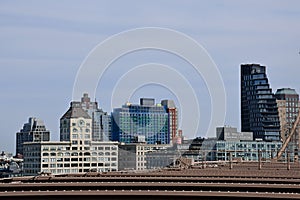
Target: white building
point(75, 153)
point(62, 157)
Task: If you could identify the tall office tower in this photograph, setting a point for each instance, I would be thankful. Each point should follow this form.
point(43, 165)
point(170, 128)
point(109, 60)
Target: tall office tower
point(33, 131)
point(288, 107)
point(172, 119)
point(259, 113)
point(101, 121)
point(146, 122)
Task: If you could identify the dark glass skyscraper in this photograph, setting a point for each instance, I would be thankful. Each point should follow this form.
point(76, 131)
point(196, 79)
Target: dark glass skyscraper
point(259, 113)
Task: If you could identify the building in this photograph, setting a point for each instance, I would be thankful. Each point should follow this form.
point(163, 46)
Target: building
point(33, 131)
point(231, 134)
point(288, 108)
point(76, 152)
point(160, 156)
point(147, 121)
point(101, 121)
point(199, 149)
point(246, 150)
point(171, 109)
point(63, 157)
point(10, 166)
point(240, 146)
point(259, 113)
point(142, 156)
point(132, 156)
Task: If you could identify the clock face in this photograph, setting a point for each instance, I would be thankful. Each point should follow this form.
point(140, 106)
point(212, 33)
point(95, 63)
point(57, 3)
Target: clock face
point(81, 122)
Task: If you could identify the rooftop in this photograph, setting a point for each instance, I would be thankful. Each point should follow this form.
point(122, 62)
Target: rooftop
point(286, 91)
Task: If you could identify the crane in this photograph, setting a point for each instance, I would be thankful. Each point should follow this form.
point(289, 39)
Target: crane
point(288, 139)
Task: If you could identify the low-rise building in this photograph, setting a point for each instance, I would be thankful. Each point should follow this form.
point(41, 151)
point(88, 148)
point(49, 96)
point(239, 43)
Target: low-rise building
point(142, 156)
point(62, 157)
point(246, 150)
point(132, 156)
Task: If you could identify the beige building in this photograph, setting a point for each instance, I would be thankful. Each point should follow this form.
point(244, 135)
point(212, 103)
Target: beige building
point(75, 152)
point(288, 109)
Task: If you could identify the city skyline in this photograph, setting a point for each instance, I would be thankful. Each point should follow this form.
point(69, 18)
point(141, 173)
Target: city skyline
point(42, 50)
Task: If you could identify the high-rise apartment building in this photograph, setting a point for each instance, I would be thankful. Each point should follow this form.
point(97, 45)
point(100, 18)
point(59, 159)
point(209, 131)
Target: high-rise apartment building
point(33, 131)
point(288, 108)
point(259, 113)
point(147, 122)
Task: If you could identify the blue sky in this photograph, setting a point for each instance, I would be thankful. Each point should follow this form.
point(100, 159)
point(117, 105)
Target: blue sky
point(43, 43)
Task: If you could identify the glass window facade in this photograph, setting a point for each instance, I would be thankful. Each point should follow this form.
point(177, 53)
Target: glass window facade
point(149, 122)
point(259, 112)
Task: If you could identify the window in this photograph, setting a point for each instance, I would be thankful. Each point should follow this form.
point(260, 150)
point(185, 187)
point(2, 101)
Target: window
point(45, 165)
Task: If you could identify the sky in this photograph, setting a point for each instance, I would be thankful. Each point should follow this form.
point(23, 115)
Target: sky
point(44, 43)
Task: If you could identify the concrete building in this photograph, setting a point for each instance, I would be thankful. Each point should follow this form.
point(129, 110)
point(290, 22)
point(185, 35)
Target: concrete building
point(132, 156)
point(63, 157)
point(160, 156)
point(259, 113)
point(33, 131)
point(76, 151)
point(142, 156)
point(288, 108)
point(146, 119)
point(101, 121)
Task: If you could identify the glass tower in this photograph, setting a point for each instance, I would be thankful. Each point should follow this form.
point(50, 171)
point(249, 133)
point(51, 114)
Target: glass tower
point(146, 122)
point(259, 113)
